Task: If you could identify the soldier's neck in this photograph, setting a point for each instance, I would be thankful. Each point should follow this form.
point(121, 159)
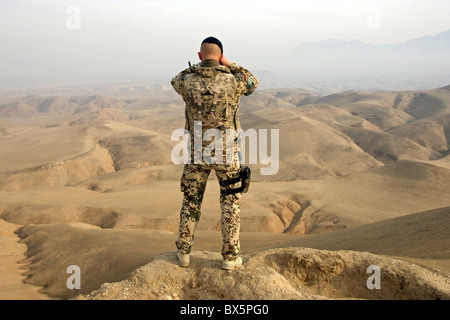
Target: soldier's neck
point(208, 63)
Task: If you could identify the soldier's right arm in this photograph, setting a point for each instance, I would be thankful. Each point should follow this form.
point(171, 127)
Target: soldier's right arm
point(247, 82)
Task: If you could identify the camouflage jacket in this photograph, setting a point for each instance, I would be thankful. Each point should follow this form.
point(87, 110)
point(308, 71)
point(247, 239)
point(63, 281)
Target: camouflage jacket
point(200, 85)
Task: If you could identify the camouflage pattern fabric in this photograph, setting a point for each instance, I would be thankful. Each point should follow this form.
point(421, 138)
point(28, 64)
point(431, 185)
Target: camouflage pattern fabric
point(193, 185)
point(212, 94)
point(232, 83)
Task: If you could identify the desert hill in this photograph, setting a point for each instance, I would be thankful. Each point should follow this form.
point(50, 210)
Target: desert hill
point(414, 115)
point(118, 253)
point(32, 105)
point(132, 199)
point(358, 170)
point(368, 129)
point(277, 274)
point(421, 235)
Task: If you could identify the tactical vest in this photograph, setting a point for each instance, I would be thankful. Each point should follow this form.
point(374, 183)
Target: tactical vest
point(211, 98)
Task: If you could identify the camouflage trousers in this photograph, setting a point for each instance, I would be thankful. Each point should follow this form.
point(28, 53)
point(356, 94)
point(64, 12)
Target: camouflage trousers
point(193, 185)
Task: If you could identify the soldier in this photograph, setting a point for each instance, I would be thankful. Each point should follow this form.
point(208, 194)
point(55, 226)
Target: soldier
point(212, 91)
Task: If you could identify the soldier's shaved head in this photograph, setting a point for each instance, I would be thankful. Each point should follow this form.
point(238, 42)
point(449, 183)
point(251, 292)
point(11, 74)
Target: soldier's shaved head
point(210, 51)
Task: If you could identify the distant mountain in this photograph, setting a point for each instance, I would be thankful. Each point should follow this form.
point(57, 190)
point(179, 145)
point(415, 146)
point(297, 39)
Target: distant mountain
point(438, 42)
point(331, 58)
point(322, 67)
point(334, 65)
point(332, 44)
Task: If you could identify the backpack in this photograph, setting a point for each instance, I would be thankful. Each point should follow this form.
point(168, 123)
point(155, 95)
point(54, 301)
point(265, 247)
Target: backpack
point(211, 98)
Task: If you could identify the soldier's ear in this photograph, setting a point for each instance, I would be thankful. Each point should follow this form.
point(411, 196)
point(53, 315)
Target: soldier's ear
point(200, 56)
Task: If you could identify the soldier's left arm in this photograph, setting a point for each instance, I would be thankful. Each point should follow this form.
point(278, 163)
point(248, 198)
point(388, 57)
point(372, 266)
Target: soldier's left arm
point(178, 81)
point(247, 82)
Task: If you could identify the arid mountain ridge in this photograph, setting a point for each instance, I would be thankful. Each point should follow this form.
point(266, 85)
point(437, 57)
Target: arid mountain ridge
point(403, 116)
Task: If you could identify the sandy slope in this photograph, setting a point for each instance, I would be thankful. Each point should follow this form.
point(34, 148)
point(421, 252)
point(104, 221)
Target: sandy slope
point(12, 267)
point(105, 255)
point(421, 237)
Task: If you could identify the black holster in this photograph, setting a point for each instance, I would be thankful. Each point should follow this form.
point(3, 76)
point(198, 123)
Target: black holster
point(243, 177)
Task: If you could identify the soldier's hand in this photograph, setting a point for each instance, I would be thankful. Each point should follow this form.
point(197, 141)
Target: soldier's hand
point(224, 61)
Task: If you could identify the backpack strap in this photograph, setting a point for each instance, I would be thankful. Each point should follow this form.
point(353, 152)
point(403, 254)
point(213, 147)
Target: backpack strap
point(214, 104)
point(199, 102)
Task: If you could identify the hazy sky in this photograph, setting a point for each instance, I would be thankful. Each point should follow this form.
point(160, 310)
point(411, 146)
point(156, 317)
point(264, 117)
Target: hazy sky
point(49, 39)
